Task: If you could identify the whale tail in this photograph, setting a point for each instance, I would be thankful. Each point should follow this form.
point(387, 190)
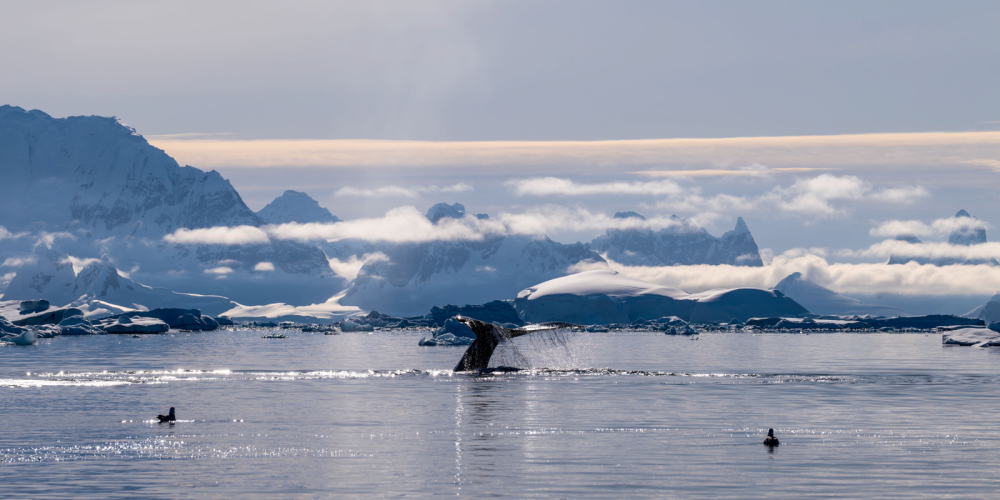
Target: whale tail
point(489, 336)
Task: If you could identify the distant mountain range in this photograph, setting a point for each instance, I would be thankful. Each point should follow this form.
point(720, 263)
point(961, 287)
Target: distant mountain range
point(682, 244)
point(965, 235)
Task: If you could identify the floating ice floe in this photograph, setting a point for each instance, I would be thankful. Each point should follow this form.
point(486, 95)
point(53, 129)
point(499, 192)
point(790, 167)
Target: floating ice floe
point(137, 324)
point(453, 332)
point(979, 337)
point(350, 326)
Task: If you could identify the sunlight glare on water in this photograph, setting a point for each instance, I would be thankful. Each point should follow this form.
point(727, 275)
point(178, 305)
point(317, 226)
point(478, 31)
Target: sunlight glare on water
point(606, 415)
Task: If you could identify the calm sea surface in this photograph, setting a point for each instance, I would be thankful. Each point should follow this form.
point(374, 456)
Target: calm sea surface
point(605, 415)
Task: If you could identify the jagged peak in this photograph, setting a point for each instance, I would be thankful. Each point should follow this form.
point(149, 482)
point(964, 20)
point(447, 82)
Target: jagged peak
point(295, 206)
point(741, 227)
point(442, 210)
point(963, 213)
point(628, 215)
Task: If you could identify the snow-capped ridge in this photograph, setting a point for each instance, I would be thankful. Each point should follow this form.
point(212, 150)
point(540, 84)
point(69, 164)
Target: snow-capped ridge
point(295, 206)
point(680, 244)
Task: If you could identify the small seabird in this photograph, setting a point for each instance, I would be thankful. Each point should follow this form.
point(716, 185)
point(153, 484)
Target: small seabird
point(170, 417)
point(770, 440)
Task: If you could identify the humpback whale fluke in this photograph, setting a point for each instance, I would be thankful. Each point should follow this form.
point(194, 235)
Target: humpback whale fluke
point(489, 336)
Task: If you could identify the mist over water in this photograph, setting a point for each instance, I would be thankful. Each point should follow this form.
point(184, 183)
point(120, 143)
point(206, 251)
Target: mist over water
point(606, 415)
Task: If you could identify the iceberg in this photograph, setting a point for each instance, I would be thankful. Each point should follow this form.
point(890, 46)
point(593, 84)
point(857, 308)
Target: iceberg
point(350, 326)
point(606, 297)
point(981, 337)
point(454, 332)
point(137, 324)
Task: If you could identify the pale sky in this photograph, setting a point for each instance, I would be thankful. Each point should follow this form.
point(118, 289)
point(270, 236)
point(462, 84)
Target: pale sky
point(822, 122)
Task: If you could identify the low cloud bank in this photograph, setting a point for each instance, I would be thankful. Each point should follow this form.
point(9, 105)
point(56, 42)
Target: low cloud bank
point(397, 191)
point(811, 197)
point(408, 225)
point(220, 235)
point(938, 228)
point(909, 279)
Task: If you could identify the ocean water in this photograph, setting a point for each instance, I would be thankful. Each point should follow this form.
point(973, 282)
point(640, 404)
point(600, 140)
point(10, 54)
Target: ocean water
point(602, 415)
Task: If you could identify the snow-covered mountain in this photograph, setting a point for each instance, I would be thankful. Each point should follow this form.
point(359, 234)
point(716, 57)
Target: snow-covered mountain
point(411, 278)
point(97, 188)
point(604, 297)
point(683, 244)
point(988, 312)
point(821, 300)
point(965, 235)
point(294, 206)
point(98, 285)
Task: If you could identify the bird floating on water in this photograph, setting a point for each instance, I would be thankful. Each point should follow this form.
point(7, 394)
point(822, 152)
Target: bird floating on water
point(170, 417)
point(770, 440)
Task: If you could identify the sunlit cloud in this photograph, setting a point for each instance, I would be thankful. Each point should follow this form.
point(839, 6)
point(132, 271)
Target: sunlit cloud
point(815, 197)
point(219, 270)
point(239, 235)
point(78, 263)
point(932, 250)
point(868, 278)
point(926, 149)
point(263, 267)
point(550, 186)
point(349, 269)
point(400, 191)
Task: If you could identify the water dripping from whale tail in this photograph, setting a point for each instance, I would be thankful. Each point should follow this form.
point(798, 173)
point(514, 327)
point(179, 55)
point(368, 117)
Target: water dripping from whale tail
point(489, 336)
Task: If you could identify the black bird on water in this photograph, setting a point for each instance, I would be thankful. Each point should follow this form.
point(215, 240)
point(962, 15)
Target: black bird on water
point(170, 417)
point(770, 440)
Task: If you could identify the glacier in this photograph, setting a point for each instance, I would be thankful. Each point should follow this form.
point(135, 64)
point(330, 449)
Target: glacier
point(605, 297)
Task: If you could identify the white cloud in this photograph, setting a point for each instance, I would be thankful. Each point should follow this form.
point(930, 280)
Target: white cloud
point(938, 228)
point(399, 225)
point(814, 197)
point(397, 191)
point(8, 276)
point(221, 235)
point(549, 186)
point(263, 267)
point(219, 270)
point(408, 225)
point(48, 239)
point(905, 279)
point(912, 150)
point(78, 263)
point(18, 261)
point(350, 268)
point(932, 250)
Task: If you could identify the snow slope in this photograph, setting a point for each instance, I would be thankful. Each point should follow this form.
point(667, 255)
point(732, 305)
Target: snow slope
point(821, 300)
point(93, 187)
point(683, 244)
point(605, 297)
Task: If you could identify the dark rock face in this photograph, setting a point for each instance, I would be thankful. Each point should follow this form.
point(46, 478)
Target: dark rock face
point(683, 244)
point(33, 306)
